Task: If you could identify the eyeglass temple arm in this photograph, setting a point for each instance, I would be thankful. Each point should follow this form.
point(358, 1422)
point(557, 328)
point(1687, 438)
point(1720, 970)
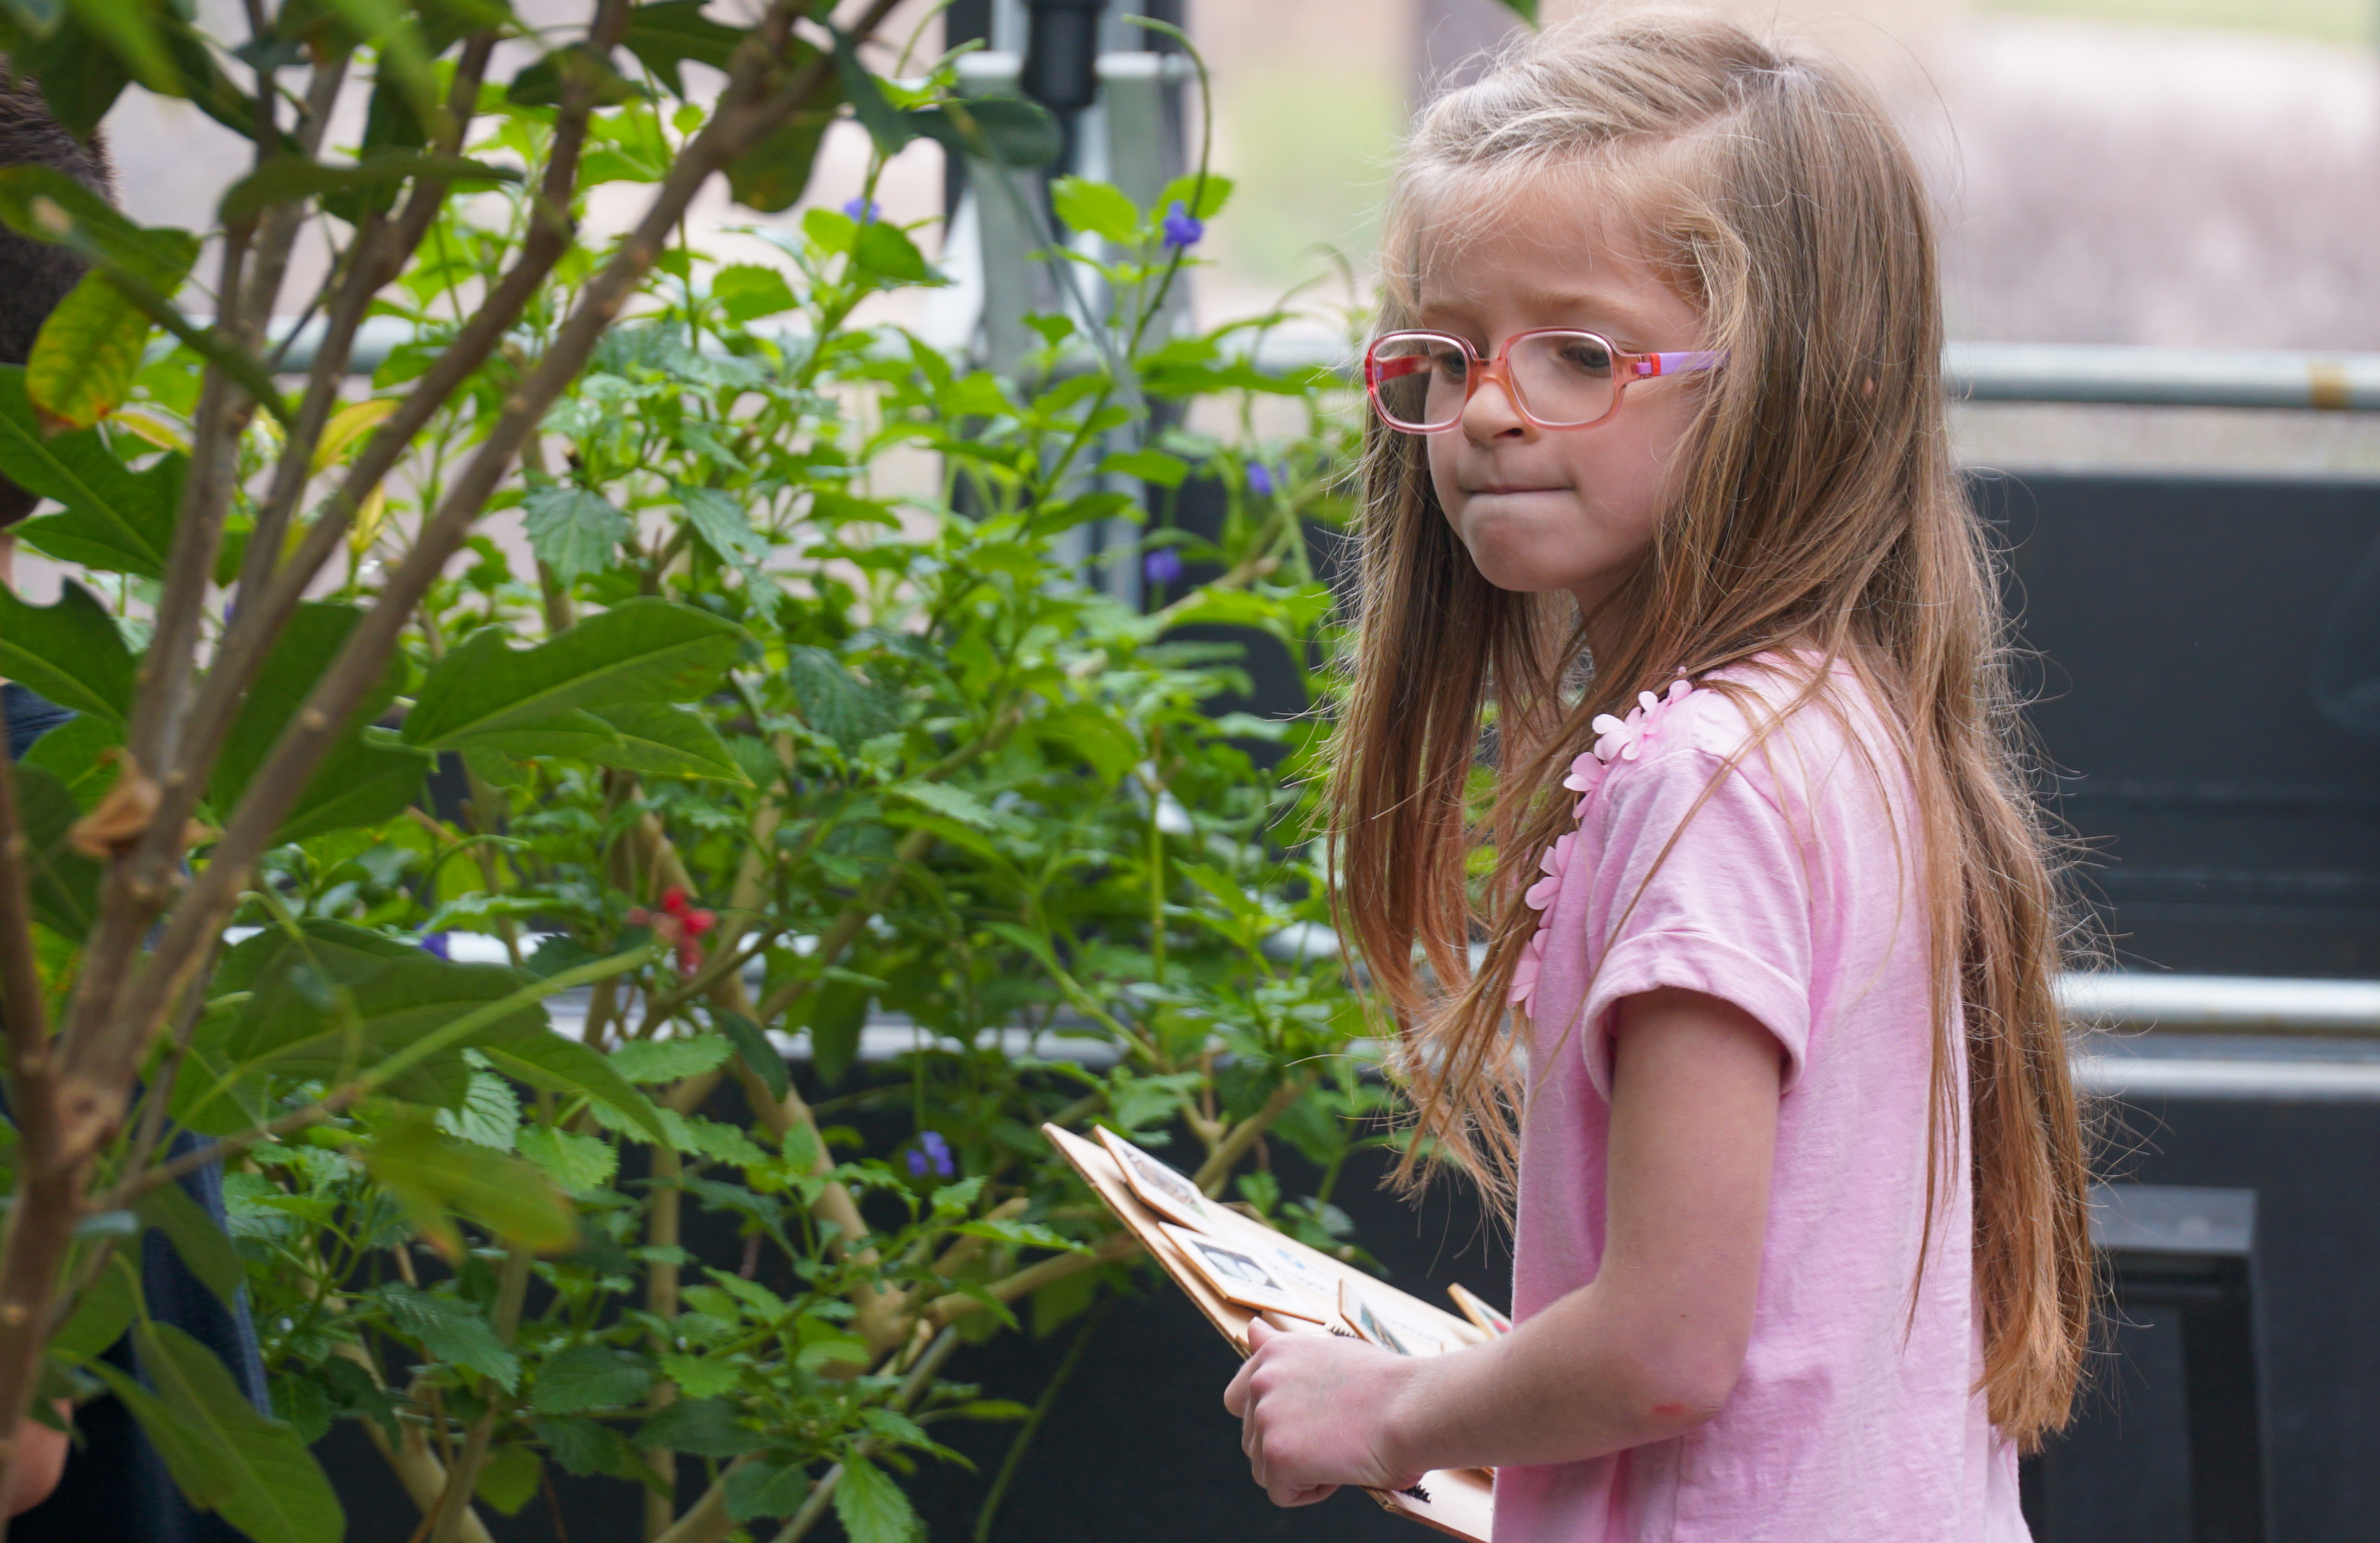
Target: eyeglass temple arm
point(1649, 365)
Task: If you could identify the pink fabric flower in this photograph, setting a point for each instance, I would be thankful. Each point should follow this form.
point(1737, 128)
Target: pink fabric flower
point(1553, 865)
point(1586, 775)
point(1623, 739)
point(1525, 974)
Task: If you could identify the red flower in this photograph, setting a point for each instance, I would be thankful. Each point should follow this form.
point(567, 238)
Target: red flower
point(679, 924)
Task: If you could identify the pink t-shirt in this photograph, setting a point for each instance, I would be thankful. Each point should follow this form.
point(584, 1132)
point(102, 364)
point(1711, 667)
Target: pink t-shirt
point(1794, 892)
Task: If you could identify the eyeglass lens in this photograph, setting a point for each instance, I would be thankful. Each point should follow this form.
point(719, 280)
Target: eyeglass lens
point(1422, 381)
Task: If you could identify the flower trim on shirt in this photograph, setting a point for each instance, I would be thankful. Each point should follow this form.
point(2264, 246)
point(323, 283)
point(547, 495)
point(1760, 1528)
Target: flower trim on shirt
point(1616, 739)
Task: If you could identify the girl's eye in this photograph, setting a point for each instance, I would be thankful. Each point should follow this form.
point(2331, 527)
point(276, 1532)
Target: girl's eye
point(1448, 364)
point(1586, 356)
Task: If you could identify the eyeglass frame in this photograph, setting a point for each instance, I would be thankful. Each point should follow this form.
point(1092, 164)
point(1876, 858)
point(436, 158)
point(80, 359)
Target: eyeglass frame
point(1627, 370)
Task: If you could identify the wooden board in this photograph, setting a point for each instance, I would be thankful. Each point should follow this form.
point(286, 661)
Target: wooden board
point(1460, 1501)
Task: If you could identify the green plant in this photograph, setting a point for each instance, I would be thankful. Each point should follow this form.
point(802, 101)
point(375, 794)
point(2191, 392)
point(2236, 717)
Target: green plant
point(752, 743)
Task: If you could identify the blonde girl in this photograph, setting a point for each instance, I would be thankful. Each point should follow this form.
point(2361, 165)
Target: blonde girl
point(1762, 1054)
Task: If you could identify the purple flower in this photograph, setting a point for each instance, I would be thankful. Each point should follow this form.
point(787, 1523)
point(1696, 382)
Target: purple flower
point(864, 209)
point(1259, 479)
point(932, 1151)
point(435, 943)
point(1181, 227)
point(1162, 566)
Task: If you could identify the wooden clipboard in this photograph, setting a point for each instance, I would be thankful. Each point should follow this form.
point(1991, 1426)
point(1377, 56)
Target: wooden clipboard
point(1460, 1501)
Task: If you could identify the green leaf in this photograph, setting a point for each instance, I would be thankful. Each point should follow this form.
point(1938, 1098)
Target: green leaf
point(204, 1251)
point(1095, 207)
point(75, 753)
point(508, 1480)
point(667, 33)
point(106, 1310)
point(773, 175)
point(702, 1376)
point(431, 1174)
point(836, 1012)
point(577, 64)
point(667, 741)
point(765, 1488)
point(1525, 9)
point(1149, 466)
point(589, 1376)
point(653, 1061)
point(1203, 197)
point(225, 1456)
point(753, 1046)
point(563, 1065)
point(745, 291)
point(705, 1426)
point(943, 799)
point(359, 785)
point(287, 178)
point(834, 702)
point(114, 519)
point(1006, 130)
point(886, 250)
point(575, 531)
point(64, 883)
point(640, 650)
point(70, 651)
point(304, 651)
point(579, 1163)
point(723, 524)
point(871, 1507)
point(82, 362)
point(489, 1116)
point(452, 1330)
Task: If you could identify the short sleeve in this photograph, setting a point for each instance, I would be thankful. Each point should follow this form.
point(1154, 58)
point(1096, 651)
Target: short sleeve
point(1724, 909)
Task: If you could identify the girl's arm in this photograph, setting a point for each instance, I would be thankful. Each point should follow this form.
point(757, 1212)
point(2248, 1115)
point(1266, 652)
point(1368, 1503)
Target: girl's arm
point(1650, 1349)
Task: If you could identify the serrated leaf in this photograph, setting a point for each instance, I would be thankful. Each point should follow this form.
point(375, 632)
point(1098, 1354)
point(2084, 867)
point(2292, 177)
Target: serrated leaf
point(640, 650)
point(871, 1507)
point(575, 531)
point(723, 524)
point(453, 1331)
point(765, 1488)
point(956, 803)
point(489, 1116)
point(577, 1163)
point(70, 651)
point(705, 1426)
point(702, 1376)
point(589, 1376)
point(834, 702)
point(225, 1456)
point(584, 1447)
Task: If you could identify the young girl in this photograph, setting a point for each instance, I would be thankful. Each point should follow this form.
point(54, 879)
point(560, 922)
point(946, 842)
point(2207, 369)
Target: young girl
point(1659, 468)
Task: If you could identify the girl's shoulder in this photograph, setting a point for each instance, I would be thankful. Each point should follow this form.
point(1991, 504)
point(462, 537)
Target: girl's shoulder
point(1779, 720)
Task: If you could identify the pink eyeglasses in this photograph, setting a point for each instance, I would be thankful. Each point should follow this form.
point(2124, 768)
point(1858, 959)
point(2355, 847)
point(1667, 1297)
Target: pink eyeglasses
point(1420, 382)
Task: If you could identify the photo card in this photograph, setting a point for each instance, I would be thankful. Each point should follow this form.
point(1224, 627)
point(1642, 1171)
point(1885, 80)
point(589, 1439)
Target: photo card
point(1239, 1276)
point(1478, 1311)
point(1380, 1329)
point(1160, 1188)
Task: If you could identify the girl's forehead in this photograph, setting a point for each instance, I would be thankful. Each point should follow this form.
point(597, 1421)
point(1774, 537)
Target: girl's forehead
point(1557, 239)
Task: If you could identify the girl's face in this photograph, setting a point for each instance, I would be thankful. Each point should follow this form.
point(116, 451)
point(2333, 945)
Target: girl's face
point(1567, 509)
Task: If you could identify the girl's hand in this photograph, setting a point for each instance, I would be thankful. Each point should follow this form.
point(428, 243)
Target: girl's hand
point(1314, 1412)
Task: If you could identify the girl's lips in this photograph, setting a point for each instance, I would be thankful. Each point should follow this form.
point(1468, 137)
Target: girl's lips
point(1506, 489)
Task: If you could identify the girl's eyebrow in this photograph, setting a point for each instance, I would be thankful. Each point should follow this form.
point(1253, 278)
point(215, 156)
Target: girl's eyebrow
point(1557, 307)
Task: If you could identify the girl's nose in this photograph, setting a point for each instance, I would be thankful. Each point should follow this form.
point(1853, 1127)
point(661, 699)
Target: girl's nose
point(1489, 413)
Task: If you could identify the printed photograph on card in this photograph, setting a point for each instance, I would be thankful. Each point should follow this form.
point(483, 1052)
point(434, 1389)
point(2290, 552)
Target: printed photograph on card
point(1239, 1276)
point(1478, 1311)
point(1157, 1186)
point(1380, 1328)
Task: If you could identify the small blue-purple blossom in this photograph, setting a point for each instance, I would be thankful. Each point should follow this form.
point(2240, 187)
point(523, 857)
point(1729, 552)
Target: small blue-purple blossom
point(864, 209)
point(1181, 227)
point(1259, 479)
point(932, 1151)
point(1162, 566)
point(435, 943)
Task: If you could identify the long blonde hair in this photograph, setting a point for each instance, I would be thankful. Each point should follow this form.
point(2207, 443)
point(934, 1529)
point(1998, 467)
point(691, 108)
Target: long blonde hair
point(1817, 507)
